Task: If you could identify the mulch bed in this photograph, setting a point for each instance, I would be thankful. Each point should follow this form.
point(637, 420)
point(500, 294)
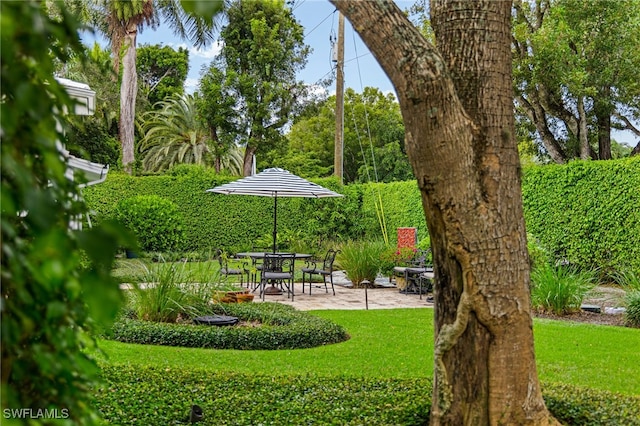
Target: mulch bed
point(586, 317)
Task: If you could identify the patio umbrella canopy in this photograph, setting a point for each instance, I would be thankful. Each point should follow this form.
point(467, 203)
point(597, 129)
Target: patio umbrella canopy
point(275, 183)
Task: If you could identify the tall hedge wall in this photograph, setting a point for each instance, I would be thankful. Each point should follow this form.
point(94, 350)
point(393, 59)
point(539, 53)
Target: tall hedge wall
point(234, 222)
point(585, 212)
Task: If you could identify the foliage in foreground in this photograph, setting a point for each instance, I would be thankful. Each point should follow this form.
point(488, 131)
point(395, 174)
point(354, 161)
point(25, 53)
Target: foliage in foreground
point(150, 395)
point(282, 327)
point(48, 301)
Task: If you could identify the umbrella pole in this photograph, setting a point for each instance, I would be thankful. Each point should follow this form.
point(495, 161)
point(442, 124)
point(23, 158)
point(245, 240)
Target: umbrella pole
point(275, 221)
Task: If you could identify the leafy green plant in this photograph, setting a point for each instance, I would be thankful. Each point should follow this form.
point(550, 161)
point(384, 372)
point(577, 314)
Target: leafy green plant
point(632, 312)
point(56, 287)
point(538, 255)
point(361, 260)
point(148, 395)
point(156, 221)
point(559, 289)
point(166, 291)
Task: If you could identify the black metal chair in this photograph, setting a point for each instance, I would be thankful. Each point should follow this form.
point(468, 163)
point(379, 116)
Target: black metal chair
point(414, 272)
point(324, 269)
point(425, 282)
point(277, 269)
point(254, 271)
point(226, 271)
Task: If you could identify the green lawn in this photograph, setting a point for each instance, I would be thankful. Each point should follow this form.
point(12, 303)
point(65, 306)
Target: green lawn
point(398, 343)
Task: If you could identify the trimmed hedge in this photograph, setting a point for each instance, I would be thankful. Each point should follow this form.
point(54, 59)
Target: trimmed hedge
point(574, 405)
point(155, 221)
point(282, 327)
point(160, 395)
point(585, 212)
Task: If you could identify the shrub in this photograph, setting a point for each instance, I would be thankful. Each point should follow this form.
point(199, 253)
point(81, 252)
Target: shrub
point(154, 395)
point(155, 221)
point(161, 395)
point(361, 260)
point(583, 211)
point(586, 211)
point(538, 255)
point(559, 289)
point(282, 327)
point(574, 405)
point(632, 312)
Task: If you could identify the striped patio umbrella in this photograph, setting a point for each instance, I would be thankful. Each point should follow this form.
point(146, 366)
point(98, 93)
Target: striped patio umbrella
point(275, 183)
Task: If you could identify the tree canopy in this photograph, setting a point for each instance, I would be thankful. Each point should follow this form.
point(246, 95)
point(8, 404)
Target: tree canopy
point(120, 22)
point(373, 139)
point(575, 70)
point(162, 71)
point(263, 49)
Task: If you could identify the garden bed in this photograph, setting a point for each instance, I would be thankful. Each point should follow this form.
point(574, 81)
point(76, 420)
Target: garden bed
point(601, 296)
point(262, 326)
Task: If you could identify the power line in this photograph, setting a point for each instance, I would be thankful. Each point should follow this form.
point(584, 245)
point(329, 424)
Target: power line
point(321, 22)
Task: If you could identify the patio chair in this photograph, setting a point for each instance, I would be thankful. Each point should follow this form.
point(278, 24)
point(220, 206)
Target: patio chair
point(254, 271)
point(277, 269)
point(226, 271)
point(324, 269)
point(414, 272)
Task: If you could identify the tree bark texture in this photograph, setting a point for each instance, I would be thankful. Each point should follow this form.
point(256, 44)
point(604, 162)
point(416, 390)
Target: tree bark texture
point(603, 111)
point(247, 163)
point(457, 106)
point(583, 134)
point(128, 91)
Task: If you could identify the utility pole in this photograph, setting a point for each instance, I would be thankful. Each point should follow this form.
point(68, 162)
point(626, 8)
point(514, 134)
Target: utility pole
point(338, 160)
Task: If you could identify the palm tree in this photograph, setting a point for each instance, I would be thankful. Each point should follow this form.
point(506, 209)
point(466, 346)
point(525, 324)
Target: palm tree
point(174, 134)
point(120, 20)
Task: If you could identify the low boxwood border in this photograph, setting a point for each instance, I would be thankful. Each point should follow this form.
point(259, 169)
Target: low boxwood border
point(160, 395)
point(282, 327)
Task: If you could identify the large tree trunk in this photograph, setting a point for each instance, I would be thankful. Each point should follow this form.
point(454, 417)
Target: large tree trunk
point(583, 134)
point(128, 91)
point(247, 163)
point(458, 114)
point(603, 112)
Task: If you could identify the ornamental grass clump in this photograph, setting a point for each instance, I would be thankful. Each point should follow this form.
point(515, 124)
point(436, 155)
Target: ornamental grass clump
point(361, 260)
point(632, 312)
point(560, 289)
point(159, 295)
point(166, 291)
point(628, 280)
